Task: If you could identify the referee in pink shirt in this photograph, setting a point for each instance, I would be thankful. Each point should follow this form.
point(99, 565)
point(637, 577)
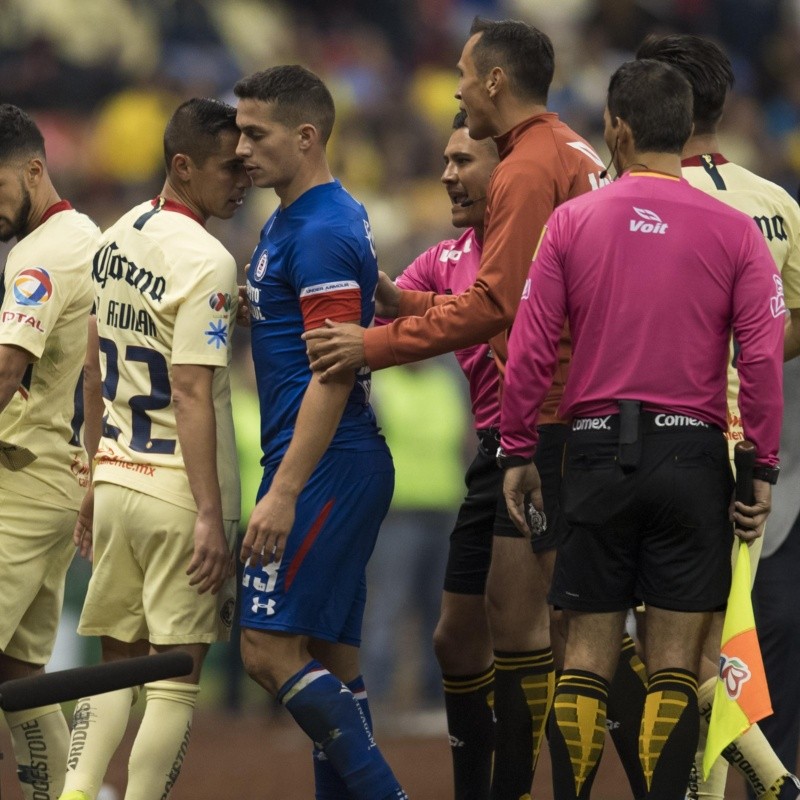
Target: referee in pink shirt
point(653, 276)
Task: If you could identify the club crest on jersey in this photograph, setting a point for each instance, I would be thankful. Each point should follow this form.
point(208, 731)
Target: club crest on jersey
point(220, 301)
point(217, 334)
point(32, 287)
point(261, 267)
point(650, 222)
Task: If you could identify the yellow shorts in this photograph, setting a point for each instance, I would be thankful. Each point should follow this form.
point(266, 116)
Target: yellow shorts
point(35, 551)
point(139, 587)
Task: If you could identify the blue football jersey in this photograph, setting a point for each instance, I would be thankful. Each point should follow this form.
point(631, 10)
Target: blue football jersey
point(315, 259)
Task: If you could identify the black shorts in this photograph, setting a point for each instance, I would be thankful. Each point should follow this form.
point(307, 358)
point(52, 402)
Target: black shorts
point(484, 513)
point(659, 534)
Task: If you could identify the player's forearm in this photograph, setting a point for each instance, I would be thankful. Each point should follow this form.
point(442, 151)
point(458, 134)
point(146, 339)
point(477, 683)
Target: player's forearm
point(197, 432)
point(470, 318)
point(317, 421)
point(13, 363)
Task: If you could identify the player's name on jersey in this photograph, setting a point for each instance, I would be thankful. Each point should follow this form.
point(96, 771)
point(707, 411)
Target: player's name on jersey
point(128, 318)
point(110, 264)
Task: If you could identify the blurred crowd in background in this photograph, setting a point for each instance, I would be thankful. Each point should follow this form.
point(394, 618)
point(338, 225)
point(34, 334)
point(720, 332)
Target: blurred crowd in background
point(101, 77)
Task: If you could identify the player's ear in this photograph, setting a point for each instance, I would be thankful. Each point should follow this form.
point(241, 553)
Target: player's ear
point(308, 135)
point(495, 81)
point(181, 166)
point(33, 172)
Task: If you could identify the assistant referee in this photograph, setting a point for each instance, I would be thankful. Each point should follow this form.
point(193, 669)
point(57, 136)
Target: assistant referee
point(653, 276)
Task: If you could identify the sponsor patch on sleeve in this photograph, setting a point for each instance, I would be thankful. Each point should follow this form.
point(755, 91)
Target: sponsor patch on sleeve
point(32, 287)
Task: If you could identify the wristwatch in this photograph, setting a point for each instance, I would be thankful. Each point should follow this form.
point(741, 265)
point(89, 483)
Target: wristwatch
point(504, 461)
point(768, 474)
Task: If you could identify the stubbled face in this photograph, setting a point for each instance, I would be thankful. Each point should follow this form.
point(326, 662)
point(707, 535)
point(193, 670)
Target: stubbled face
point(269, 149)
point(222, 181)
point(472, 94)
point(468, 165)
point(15, 202)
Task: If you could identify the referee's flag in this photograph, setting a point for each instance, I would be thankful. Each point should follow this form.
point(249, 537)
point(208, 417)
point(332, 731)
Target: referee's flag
point(741, 696)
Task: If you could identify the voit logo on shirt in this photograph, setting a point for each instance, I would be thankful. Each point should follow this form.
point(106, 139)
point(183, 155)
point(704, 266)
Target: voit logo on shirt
point(648, 222)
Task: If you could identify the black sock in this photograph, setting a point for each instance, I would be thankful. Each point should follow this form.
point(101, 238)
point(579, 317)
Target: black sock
point(468, 701)
point(626, 698)
point(670, 729)
point(524, 685)
point(577, 732)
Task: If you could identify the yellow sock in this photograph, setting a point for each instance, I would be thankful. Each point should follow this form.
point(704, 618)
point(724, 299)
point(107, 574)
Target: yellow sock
point(98, 725)
point(754, 757)
point(162, 741)
point(39, 738)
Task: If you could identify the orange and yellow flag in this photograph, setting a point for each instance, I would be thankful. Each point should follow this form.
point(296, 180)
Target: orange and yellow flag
point(741, 696)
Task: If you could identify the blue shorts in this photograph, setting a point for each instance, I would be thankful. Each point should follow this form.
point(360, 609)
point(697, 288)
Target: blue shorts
point(318, 588)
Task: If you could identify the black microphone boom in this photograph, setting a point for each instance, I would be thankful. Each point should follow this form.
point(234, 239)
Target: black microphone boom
point(70, 684)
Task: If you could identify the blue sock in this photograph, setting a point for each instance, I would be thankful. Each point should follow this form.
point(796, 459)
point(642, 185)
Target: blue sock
point(328, 784)
point(329, 714)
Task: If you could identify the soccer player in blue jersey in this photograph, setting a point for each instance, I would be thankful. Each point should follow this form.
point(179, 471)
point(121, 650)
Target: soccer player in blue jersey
point(328, 475)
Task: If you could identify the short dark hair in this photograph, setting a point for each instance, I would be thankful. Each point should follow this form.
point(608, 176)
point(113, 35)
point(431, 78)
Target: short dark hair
point(655, 99)
point(195, 127)
point(19, 135)
point(299, 96)
point(524, 53)
point(704, 64)
point(460, 120)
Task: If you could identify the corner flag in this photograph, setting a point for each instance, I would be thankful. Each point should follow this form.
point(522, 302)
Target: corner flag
point(741, 696)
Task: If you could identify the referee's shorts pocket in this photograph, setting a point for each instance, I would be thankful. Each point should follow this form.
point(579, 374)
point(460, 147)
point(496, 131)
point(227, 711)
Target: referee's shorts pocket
point(702, 484)
point(593, 487)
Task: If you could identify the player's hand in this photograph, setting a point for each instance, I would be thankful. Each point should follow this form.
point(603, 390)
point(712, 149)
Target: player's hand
point(519, 483)
point(268, 529)
point(335, 348)
point(387, 297)
point(82, 534)
point(749, 520)
point(243, 308)
point(210, 564)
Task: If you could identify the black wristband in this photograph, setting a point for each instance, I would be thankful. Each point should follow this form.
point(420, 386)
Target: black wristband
point(504, 461)
point(768, 474)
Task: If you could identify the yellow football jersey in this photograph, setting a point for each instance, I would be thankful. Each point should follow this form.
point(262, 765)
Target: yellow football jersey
point(45, 310)
point(778, 217)
point(165, 293)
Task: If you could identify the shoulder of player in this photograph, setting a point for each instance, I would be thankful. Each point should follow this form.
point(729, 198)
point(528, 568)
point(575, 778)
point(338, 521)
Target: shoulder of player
point(66, 242)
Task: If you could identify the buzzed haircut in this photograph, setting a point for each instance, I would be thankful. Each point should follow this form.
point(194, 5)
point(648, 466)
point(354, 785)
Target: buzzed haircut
point(524, 53)
point(299, 96)
point(655, 99)
point(704, 64)
point(20, 138)
point(195, 127)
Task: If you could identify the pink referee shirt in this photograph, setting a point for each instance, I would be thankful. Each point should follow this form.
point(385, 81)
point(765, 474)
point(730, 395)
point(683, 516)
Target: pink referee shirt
point(450, 267)
point(652, 275)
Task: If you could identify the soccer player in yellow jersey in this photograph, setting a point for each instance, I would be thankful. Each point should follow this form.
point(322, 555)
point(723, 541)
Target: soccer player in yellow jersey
point(777, 215)
point(46, 298)
point(166, 485)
